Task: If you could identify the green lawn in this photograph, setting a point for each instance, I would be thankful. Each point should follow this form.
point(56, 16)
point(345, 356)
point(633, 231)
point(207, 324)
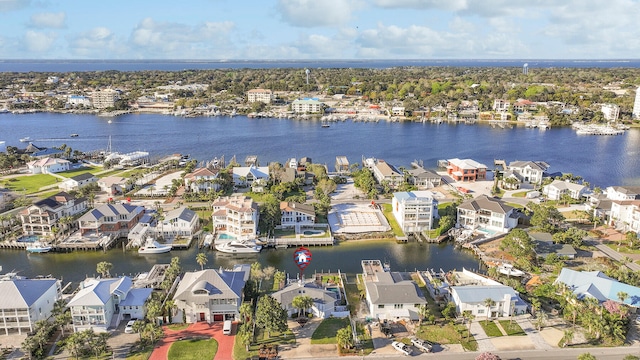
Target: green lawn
point(326, 331)
point(193, 349)
point(29, 184)
point(284, 233)
point(82, 170)
point(178, 327)
point(512, 328)
point(490, 328)
point(514, 205)
point(520, 194)
point(240, 352)
point(446, 333)
point(388, 213)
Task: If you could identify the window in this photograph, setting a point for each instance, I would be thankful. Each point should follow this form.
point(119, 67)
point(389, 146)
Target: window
point(398, 306)
point(381, 306)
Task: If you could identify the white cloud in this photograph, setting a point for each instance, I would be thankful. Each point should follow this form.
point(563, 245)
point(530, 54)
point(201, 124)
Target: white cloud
point(10, 5)
point(48, 20)
point(37, 41)
point(99, 42)
point(314, 13)
point(453, 5)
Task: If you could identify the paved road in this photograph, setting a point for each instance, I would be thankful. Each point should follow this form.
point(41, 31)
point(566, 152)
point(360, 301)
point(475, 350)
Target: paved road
point(611, 253)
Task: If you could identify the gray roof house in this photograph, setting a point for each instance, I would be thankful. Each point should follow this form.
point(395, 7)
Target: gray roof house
point(487, 214)
point(211, 295)
point(544, 245)
point(324, 301)
point(529, 171)
point(424, 179)
point(78, 181)
point(25, 301)
point(390, 295)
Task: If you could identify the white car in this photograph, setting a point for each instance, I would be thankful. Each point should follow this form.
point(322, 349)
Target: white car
point(422, 345)
point(129, 328)
point(401, 347)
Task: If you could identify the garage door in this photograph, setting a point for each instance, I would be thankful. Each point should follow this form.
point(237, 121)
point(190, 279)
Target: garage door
point(218, 317)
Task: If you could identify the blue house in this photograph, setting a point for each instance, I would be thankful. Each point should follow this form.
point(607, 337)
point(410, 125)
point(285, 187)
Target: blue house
point(597, 285)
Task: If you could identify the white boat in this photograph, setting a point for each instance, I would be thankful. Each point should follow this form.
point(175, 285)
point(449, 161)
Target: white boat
point(152, 247)
point(74, 135)
point(239, 247)
point(509, 270)
point(208, 240)
point(38, 247)
point(25, 139)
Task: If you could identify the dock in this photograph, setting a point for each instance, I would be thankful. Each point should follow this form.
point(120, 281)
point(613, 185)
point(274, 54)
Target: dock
point(281, 243)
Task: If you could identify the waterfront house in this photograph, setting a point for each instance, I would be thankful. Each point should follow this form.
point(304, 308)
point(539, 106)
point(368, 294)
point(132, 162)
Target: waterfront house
point(325, 302)
point(466, 170)
point(111, 219)
point(625, 215)
point(558, 188)
point(40, 217)
point(501, 105)
point(414, 211)
point(101, 304)
point(544, 246)
point(26, 301)
point(611, 112)
point(236, 215)
point(211, 295)
point(114, 185)
point(244, 176)
point(260, 95)
point(506, 300)
point(530, 172)
point(78, 181)
point(342, 164)
point(385, 172)
point(181, 222)
point(390, 295)
point(202, 180)
point(423, 179)
point(597, 285)
point(48, 165)
point(103, 99)
point(78, 100)
point(398, 111)
point(294, 215)
point(486, 214)
point(622, 192)
point(307, 106)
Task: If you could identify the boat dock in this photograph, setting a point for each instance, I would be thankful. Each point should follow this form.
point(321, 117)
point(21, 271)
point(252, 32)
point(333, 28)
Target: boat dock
point(300, 241)
point(70, 244)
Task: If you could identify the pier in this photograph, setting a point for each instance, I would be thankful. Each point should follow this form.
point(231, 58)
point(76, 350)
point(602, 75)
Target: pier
point(299, 241)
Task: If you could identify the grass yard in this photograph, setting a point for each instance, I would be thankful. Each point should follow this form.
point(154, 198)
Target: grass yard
point(178, 327)
point(284, 233)
point(326, 331)
point(193, 349)
point(353, 296)
point(447, 333)
point(140, 354)
point(29, 184)
point(388, 213)
point(240, 352)
point(514, 205)
point(490, 328)
point(520, 194)
point(512, 328)
point(81, 170)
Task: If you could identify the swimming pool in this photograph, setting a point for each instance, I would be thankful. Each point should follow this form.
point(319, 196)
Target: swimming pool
point(334, 290)
point(313, 232)
point(486, 231)
point(225, 236)
point(28, 238)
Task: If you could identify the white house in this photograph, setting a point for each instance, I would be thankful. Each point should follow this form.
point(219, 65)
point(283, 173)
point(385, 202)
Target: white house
point(390, 295)
point(26, 301)
point(43, 215)
point(325, 302)
point(424, 179)
point(178, 222)
point(294, 214)
point(246, 175)
point(303, 106)
point(202, 180)
point(114, 185)
point(48, 165)
point(625, 215)
point(260, 95)
point(236, 215)
point(557, 188)
point(385, 172)
point(100, 303)
point(414, 210)
point(78, 181)
point(487, 214)
point(211, 295)
point(506, 301)
point(610, 111)
point(623, 192)
point(529, 171)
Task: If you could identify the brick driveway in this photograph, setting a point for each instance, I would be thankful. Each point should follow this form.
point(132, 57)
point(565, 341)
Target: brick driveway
point(203, 329)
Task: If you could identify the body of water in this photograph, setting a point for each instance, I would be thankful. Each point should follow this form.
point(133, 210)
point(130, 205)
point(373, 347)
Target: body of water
point(178, 65)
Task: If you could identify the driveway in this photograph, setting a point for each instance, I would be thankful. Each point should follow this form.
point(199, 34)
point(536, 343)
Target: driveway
point(200, 329)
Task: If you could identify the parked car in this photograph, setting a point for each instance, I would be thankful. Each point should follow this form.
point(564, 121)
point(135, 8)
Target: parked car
point(422, 345)
point(129, 328)
point(402, 347)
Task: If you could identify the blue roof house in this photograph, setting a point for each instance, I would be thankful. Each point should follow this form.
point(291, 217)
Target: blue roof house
point(597, 285)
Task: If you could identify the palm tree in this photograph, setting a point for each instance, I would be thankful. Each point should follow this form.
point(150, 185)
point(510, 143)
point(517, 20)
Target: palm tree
point(489, 303)
point(104, 268)
point(567, 337)
point(423, 313)
point(622, 296)
point(468, 316)
point(302, 303)
point(201, 259)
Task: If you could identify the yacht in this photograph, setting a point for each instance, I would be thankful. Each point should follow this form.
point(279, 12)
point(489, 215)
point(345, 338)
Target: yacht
point(239, 247)
point(74, 135)
point(38, 247)
point(509, 270)
point(25, 139)
point(153, 247)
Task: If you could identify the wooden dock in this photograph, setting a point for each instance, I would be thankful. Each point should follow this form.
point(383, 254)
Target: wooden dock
point(301, 241)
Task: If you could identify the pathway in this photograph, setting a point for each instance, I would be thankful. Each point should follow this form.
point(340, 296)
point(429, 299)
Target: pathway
point(200, 329)
point(303, 348)
point(532, 333)
point(484, 341)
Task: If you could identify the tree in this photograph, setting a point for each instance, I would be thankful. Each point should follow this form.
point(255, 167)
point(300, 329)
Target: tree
point(75, 344)
point(622, 296)
point(302, 303)
point(344, 337)
point(138, 327)
point(152, 332)
point(541, 319)
point(61, 315)
point(270, 315)
point(632, 238)
point(104, 268)
point(489, 303)
point(468, 316)
point(586, 356)
point(201, 259)
point(278, 279)
point(423, 313)
point(246, 312)
point(245, 335)
point(567, 337)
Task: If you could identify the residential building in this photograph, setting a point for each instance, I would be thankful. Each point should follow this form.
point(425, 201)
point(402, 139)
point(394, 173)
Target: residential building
point(211, 295)
point(304, 106)
point(325, 302)
point(294, 215)
point(78, 181)
point(466, 170)
point(597, 285)
point(390, 295)
point(487, 214)
point(101, 304)
point(103, 99)
point(506, 301)
point(625, 215)
point(342, 164)
point(522, 105)
point(558, 188)
point(76, 100)
point(636, 105)
point(111, 219)
point(501, 105)
point(236, 215)
point(610, 111)
point(48, 165)
point(623, 192)
point(385, 172)
point(530, 172)
point(114, 185)
point(179, 222)
point(40, 217)
point(244, 176)
point(260, 95)
point(202, 180)
point(26, 301)
point(414, 211)
point(397, 111)
point(424, 179)
point(545, 246)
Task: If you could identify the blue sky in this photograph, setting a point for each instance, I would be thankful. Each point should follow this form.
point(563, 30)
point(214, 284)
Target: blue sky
point(319, 29)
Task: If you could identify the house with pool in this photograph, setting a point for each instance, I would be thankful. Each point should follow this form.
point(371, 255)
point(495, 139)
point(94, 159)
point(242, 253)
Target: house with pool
point(326, 300)
point(40, 217)
point(235, 217)
point(487, 215)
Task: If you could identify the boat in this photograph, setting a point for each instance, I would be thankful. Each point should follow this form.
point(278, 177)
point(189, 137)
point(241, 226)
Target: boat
point(239, 247)
point(208, 240)
point(153, 247)
point(325, 124)
point(509, 270)
point(25, 139)
point(74, 135)
point(38, 247)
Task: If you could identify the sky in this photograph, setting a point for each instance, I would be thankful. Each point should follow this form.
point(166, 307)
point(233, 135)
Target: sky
point(319, 29)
